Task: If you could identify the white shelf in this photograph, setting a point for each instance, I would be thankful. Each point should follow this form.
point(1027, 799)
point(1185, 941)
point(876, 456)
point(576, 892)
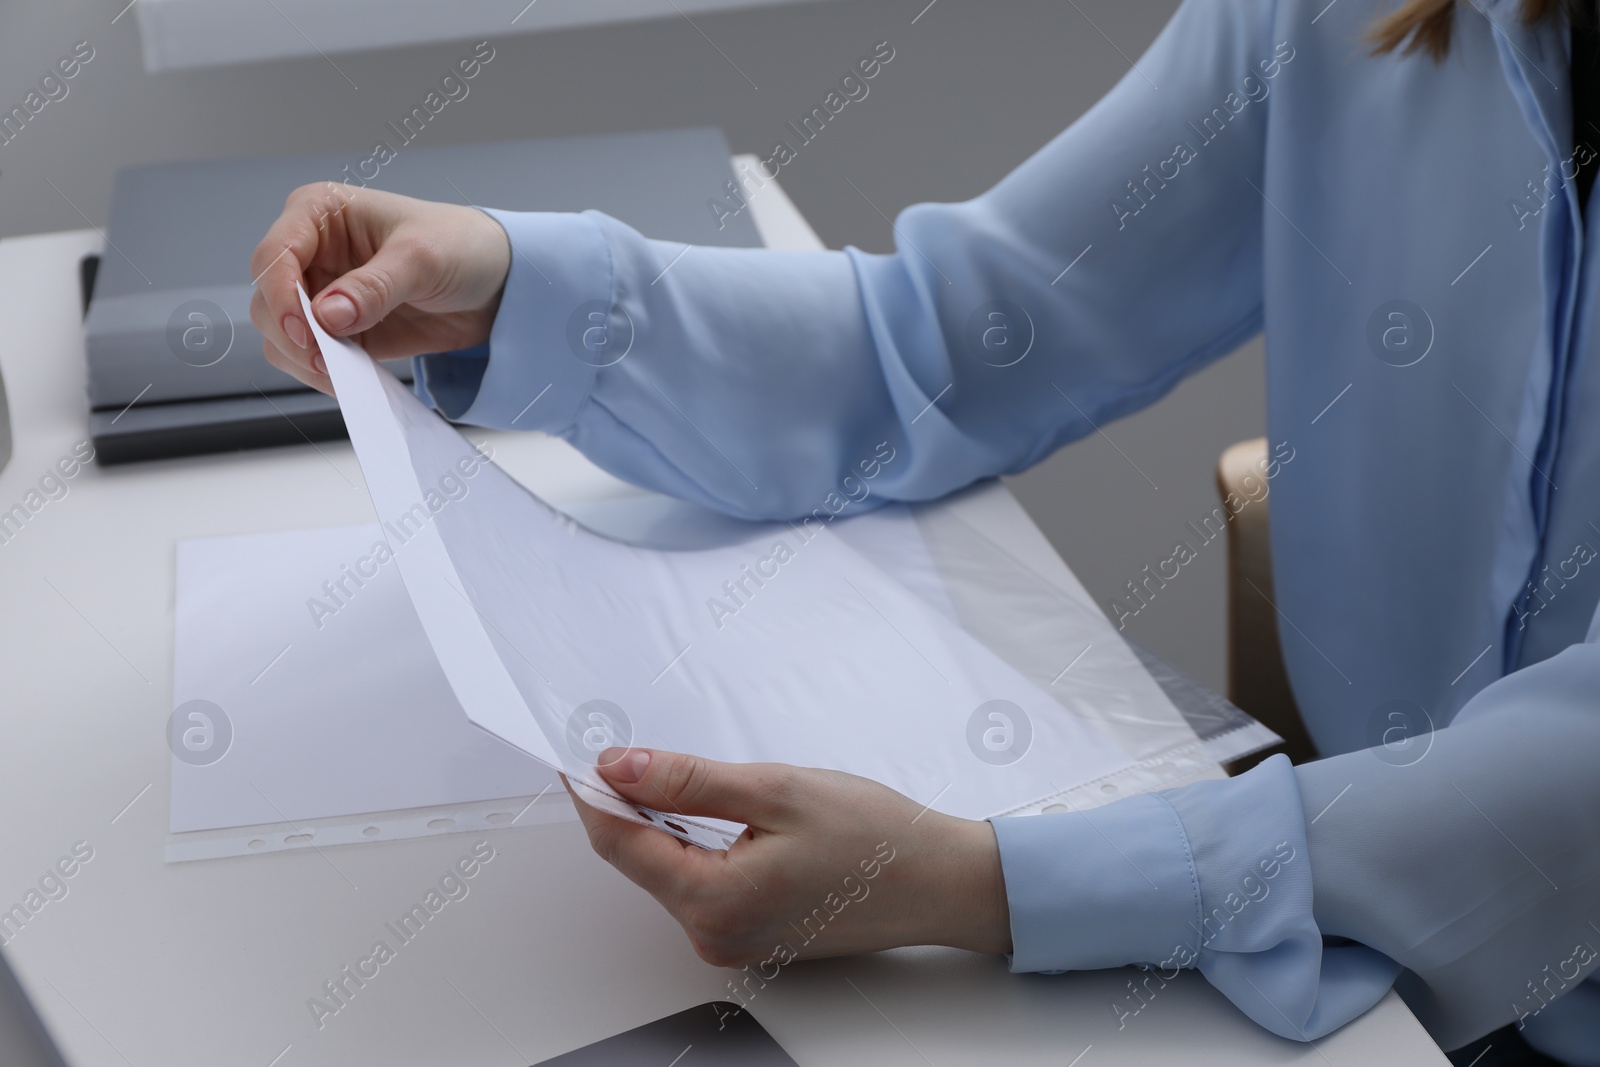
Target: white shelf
point(180, 34)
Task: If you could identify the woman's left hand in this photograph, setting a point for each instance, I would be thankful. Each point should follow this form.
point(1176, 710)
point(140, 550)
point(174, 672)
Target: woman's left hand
point(831, 863)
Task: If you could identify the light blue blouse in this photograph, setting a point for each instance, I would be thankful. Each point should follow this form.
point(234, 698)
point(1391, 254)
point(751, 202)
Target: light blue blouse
point(1407, 235)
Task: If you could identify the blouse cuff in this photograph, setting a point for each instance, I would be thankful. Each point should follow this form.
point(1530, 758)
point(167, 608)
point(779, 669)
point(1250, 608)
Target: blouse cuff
point(556, 327)
point(1099, 888)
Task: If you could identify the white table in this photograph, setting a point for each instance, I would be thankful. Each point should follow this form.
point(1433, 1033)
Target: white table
point(154, 965)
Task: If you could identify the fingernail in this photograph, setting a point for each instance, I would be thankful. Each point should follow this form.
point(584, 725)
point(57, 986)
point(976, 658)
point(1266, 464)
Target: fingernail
point(317, 364)
point(337, 311)
point(625, 765)
point(296, 330)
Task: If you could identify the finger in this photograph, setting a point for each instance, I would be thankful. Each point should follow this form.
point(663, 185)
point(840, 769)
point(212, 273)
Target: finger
point(656, 862)
point(359, 300)
point(304, 363)
point(755, 793)
point(279, 264)
point(408, 332)
point(277, 359)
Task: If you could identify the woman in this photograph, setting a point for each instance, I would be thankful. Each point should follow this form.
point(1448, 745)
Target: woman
point(1398, 204)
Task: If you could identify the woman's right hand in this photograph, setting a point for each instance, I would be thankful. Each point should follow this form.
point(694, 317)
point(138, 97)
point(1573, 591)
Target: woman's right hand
point(402, 277)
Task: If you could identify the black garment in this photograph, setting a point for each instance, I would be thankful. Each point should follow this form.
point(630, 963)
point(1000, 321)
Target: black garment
point(1586, 100)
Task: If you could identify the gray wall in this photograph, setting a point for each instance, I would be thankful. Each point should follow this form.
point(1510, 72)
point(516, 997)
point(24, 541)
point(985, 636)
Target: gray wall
point(973, 89)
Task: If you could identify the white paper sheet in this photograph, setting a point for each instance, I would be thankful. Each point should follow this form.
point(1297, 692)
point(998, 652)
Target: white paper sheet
point(329, 714)
point(825, 661)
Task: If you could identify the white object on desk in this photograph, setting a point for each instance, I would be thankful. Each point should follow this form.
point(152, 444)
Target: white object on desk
point(192, 965)
point(346, 715)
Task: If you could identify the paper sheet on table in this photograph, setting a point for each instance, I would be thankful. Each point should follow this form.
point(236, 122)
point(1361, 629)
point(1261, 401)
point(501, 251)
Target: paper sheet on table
point(561, 642)
point(330, 696)
point(345, 730)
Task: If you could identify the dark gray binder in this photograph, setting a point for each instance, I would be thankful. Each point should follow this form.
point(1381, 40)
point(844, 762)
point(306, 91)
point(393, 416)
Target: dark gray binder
point(24, 1041)
point(175, 366)
point(718, 1034)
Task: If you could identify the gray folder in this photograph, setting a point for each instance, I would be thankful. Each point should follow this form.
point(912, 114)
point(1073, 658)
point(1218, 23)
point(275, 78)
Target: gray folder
point(175, 366)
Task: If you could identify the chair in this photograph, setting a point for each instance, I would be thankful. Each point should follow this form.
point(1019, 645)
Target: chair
point(1257, 679)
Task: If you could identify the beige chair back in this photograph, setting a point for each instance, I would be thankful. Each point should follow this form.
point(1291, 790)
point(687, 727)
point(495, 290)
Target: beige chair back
point(1257, 680)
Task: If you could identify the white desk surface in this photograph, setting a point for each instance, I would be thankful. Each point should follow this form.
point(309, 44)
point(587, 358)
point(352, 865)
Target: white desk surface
point(145, 964)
